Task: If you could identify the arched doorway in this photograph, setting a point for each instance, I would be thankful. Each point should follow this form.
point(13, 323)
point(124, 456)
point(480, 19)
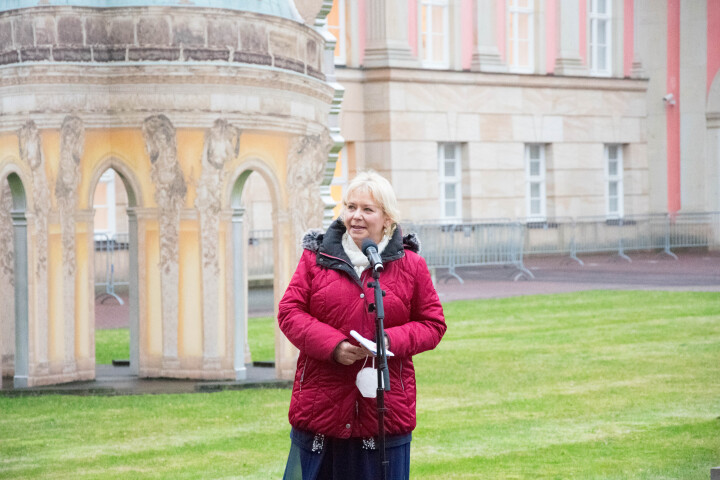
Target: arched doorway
point(116, 325)
point(111, 241)
point(253, 233)
point(20, 275)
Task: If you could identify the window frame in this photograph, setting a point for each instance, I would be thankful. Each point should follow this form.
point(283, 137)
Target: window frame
point(531, 180)
point(594, 18)
point(425, 38)
point(617, 179)
point(512, 44)
point(341, 46)
point(444, 180)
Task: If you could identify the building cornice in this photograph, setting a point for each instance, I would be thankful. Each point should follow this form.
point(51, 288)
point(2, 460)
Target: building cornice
point(405, 75)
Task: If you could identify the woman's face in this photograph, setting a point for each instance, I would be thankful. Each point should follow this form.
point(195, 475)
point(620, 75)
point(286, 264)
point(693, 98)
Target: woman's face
point(364, 218)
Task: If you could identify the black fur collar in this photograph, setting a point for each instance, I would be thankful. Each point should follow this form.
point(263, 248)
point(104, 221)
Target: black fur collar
point(314, 238)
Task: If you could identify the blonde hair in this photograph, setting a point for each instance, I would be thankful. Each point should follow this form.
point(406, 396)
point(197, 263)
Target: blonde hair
point(380, 189)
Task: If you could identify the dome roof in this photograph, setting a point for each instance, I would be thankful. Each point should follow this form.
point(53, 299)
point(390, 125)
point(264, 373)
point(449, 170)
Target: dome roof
point(278, 8)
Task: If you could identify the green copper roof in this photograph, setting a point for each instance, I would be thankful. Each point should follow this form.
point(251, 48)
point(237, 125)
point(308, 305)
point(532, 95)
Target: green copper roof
point(278, 8)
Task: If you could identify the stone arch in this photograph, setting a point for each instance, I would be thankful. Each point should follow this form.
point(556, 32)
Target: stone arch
point(126, 174)
point(233, 194)
point(135, 200)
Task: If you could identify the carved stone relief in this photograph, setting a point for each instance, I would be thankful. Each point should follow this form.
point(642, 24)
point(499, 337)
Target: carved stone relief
point(306, 167)
point(170, 191)
point(7, 282)
point(31, 153)
point(72, 145)
point(222, 144)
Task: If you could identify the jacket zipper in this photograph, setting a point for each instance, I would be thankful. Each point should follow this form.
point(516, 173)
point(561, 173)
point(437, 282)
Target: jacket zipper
point(402, 384)
point(302, 375)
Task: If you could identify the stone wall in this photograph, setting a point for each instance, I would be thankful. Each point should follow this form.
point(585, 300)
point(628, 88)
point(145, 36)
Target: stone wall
point(158, 34)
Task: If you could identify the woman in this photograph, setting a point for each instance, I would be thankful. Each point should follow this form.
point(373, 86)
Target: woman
point(334, 427)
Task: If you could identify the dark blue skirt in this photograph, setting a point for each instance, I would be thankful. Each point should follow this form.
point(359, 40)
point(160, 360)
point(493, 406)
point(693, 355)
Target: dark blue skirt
point(313, 457)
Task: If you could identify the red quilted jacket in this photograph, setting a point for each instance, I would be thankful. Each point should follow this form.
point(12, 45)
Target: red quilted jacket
point(324, 301)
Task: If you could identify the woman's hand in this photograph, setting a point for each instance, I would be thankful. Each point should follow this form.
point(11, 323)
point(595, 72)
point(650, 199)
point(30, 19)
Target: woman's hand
point(346, 353)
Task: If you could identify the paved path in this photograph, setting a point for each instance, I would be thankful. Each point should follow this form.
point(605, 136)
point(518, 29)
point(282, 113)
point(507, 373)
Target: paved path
point(693, 270)
point(698, 271)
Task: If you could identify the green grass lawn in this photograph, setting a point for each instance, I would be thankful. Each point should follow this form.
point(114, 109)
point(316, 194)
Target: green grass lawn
point(591, 385)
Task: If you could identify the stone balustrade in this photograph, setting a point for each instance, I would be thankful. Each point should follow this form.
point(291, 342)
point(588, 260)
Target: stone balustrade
point(158, 34)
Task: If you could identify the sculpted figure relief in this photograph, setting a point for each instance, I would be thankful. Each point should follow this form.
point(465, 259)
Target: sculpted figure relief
point(7, 250)
point(222, 144)
point(306, 167)
point(72, 143)
point(170, 187)
point(170, 191)
point(31, 153)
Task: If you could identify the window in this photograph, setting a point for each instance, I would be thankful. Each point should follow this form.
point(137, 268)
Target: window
point(339, 181)
point(336, 26)
point(535, 175)
point(450, 174)
point(434, 33)
point(614, 180)
point(600, 37)
point(104, 204)
point(520, 44)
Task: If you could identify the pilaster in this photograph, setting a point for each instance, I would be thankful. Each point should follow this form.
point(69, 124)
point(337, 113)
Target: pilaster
point(568, 60)
point(486, 54)
point(387, 35)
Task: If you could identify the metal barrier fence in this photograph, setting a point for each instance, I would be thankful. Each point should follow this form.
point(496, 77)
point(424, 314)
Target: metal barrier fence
point(480, 243)
point(112, 258)
point(573, 236)
point(472, 244)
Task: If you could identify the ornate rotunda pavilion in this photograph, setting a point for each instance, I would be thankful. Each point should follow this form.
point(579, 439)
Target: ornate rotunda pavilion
point(183, 99)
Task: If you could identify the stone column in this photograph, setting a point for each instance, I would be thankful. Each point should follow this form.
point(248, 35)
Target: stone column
point(32, 154)
point(239, 293)
point(285, 353)
point(22, 333)
point(222, 144)
point(72, 142)
point(133, 292)
point(568, 60)
point(387, 42)
point(170, 191)
point(486, 54)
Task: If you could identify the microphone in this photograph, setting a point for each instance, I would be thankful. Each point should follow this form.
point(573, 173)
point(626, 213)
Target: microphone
point(369, 248)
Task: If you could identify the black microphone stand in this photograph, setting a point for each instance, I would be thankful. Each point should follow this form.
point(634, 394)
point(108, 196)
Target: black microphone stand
point(383, 372)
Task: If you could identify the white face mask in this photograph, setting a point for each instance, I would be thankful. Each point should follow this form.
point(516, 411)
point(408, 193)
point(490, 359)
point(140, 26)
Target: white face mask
point(366, 381)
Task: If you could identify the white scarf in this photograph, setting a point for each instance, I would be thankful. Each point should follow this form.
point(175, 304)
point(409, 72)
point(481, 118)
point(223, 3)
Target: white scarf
point(357, 257)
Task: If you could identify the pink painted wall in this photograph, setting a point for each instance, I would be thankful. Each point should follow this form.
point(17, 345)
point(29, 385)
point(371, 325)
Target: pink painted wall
point(466, 32)
point(628, 36)
point(550, 35)
point(583, 32)
point(500, 26)
point(412, 25)
point(713, 41)
point(672, 112)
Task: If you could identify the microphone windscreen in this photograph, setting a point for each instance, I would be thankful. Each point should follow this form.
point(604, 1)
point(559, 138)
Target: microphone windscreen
point(367, 243)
